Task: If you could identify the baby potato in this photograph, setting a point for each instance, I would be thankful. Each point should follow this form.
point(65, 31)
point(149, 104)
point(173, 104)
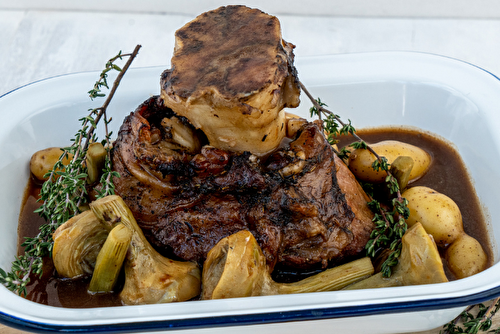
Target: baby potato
point(465, 257)
point(438, 213)
point(43, 161)
point(361, 160)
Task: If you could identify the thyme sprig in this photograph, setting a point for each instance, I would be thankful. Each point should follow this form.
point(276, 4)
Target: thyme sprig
point(473, 320)
point(65, 192)
point(103, 78)
point(390, 225)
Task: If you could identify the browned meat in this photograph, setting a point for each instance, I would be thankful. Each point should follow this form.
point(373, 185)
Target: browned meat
point(292, 200)
point(231, 75)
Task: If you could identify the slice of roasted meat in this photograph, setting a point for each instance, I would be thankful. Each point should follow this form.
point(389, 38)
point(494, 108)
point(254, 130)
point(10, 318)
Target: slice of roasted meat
point(304, 207)
point(231, 75)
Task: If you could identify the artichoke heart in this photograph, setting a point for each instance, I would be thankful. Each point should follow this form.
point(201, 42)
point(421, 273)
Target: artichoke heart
point(77, 243)
point(150, 278)
point(419, 263)
point(236, 267)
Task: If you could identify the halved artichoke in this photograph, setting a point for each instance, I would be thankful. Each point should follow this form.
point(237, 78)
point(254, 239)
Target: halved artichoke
point(77, 243)
point(419, 263)
point(236, 267)
point(149, 277)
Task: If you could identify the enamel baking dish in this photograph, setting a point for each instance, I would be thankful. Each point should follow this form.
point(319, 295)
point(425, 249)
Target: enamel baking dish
point(455, 100)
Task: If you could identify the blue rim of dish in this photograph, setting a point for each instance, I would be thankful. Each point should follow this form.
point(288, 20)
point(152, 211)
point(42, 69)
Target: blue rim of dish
point(258, 318)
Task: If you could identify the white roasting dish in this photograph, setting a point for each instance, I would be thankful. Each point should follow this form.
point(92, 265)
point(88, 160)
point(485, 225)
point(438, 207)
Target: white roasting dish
point(455, 100)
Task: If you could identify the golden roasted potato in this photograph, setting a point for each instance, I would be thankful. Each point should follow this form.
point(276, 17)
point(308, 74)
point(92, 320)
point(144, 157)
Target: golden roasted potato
point(466, 257)
point(438, 213)
point(43, 161)
point(361, 160)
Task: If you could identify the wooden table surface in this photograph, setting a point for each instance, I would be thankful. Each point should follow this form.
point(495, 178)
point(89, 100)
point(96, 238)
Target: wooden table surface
point(50, 38)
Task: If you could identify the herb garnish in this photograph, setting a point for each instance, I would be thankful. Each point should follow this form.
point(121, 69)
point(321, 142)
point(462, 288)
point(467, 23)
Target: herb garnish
point(64, 192)
point(474, 319)
point(390, 225)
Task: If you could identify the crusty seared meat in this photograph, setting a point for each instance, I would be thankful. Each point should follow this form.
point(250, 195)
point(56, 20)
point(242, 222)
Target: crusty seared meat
point(305, 209)
point(231, 75)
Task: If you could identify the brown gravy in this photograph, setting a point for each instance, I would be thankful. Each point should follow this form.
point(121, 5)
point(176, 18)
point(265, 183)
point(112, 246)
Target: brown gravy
point(447, 175)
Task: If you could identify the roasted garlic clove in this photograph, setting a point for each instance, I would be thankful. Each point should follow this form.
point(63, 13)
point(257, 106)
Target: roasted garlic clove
point(149, 277)
point(181, 134)
point(293, 124)
point(296, 167)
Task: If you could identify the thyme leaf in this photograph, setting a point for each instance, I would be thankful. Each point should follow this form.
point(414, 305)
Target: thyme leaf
point(64, 192)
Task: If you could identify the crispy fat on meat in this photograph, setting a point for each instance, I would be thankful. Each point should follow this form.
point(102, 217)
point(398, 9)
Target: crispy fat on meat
point(231, 76)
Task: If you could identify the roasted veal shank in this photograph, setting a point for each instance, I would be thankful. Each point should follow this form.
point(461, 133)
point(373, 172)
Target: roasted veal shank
point(304, 207)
